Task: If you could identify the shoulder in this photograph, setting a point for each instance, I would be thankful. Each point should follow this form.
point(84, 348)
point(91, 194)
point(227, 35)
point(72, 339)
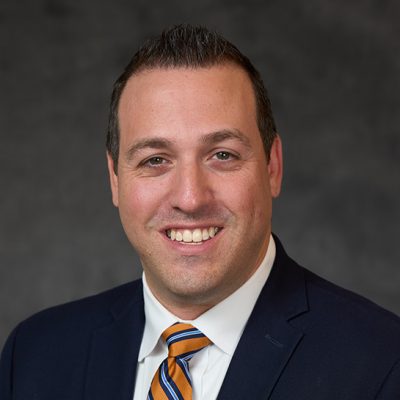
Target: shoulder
point(348, 309)
point(54, 345)
point(327, 304)
point(348, 343)
point(338, 326)
point(344, 328)
point(77, 319)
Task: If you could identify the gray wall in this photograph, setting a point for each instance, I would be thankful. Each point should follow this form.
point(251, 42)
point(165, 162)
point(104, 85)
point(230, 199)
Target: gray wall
point(333, 71)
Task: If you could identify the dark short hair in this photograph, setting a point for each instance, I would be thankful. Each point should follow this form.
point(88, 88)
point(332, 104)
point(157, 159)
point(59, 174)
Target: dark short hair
point(190, 47)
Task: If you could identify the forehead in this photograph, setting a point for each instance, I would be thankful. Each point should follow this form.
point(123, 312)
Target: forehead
point(184, 100)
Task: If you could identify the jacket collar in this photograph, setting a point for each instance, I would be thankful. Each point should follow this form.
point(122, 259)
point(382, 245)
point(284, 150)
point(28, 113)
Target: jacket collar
point(269, 339)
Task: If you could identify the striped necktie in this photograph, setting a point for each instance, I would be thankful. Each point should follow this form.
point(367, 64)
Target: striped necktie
point(172, 380)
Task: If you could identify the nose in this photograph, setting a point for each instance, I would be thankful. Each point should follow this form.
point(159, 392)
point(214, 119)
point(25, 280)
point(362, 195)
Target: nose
point(191, 188)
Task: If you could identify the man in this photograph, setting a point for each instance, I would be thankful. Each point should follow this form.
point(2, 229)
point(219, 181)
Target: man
point(194, 162)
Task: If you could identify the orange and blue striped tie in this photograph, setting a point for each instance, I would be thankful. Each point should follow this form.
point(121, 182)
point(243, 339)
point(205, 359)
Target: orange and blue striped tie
point(172, 380)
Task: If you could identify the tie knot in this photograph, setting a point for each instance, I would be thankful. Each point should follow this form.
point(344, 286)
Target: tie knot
point(184, 340)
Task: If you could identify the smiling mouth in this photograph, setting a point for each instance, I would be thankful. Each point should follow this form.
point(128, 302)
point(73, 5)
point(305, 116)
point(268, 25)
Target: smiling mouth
point(192, 236)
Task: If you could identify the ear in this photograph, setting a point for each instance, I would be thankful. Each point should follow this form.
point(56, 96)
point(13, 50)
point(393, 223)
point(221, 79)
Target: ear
point(275, 167)
point(113, 179)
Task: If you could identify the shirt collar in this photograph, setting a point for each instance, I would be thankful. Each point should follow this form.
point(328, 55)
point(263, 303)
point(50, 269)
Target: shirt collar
point(223, 332)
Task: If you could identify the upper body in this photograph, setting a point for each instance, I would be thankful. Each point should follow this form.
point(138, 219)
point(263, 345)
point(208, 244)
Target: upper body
point(305, 339)
point(194, 162)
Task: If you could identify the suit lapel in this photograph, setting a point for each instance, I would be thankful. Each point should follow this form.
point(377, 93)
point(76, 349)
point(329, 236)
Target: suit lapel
point(114, 352)
point(269, 339)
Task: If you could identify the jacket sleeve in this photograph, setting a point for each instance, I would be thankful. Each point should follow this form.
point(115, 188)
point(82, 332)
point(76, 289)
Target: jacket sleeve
point(390, 389)
point(6, 368)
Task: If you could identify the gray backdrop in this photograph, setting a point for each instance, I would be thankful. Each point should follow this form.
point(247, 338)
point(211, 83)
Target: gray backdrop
point(333, 71)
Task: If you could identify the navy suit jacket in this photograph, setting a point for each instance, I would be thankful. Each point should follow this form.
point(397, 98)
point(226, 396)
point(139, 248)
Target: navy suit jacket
point(306, 339)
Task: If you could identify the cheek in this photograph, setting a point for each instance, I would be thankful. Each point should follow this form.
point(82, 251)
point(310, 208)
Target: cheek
point(137, 201)
point(247, 195)
point(134, 200)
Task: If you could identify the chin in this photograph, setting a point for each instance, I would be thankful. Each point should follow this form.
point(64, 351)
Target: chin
point(197, 291)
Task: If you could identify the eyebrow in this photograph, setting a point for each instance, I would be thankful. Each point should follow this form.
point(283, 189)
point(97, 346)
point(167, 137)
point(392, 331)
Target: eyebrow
point(226, 134)
point(207, 139)
point(153, 143)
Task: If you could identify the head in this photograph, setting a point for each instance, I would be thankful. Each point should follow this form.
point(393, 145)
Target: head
point(194, 163)
point(185, 46)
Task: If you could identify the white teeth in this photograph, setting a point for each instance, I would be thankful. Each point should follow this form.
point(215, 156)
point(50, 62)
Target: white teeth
point(187, 236)
point(178, 236)
point(197, 236)
point(192, 236)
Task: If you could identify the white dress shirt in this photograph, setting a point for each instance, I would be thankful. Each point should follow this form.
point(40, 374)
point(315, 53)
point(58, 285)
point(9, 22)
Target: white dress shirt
point(223, 325)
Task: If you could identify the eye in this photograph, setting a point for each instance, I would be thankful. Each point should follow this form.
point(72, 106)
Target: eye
point(224, 155)
point(154, 161)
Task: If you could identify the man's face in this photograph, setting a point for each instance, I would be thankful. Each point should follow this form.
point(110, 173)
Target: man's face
point(194, 188)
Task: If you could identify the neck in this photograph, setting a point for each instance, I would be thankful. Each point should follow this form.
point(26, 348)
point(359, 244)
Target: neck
point(188, 313)
point(183, 308)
